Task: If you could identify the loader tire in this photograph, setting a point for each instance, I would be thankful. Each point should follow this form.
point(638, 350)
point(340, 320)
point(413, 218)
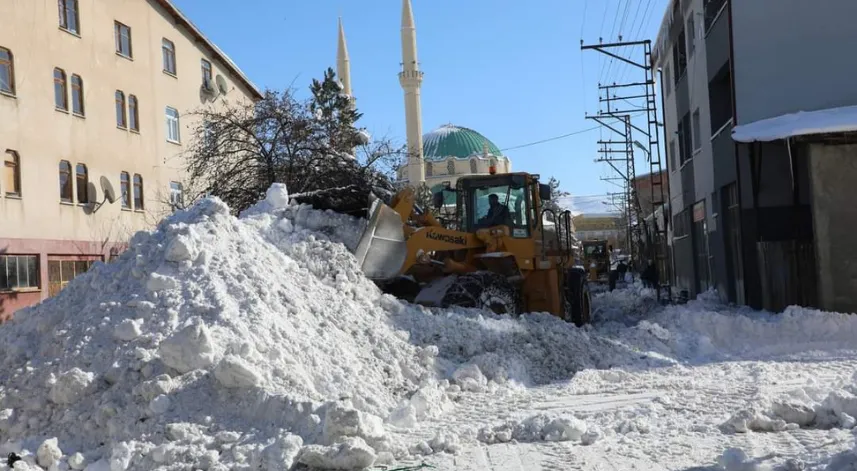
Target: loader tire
point(578, 300)
point(484, 290)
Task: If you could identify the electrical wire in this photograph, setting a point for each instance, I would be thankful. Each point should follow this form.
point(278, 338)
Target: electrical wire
point(555, 138)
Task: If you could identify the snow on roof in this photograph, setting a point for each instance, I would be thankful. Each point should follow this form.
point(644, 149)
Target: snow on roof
point(802, 123)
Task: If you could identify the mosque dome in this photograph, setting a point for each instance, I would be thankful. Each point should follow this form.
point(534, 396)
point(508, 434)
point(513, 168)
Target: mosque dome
point(458, 142)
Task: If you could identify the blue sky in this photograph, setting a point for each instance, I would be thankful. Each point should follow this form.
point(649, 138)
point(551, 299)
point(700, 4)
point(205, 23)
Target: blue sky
point(511, 69)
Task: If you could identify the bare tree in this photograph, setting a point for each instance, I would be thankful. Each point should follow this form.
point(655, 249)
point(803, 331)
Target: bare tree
point(241, 149)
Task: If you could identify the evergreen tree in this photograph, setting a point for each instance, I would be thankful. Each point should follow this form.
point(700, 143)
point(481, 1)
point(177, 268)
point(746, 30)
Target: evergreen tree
point(336, 115)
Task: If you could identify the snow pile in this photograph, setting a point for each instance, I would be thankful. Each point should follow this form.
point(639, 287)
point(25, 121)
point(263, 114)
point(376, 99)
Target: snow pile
point(807, 407)
point(208, 345)
point(707, 330)
point(540, 427)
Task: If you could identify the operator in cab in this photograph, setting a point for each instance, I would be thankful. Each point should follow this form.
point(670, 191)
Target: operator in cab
point(497, 214)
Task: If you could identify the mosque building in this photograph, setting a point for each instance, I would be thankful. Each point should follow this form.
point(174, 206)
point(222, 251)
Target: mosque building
point(444, 154)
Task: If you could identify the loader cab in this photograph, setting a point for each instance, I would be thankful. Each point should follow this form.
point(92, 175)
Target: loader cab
point(494, 200)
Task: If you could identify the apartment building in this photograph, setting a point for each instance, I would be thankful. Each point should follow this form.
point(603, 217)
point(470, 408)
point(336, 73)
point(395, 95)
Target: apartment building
point(96, 97)
point(757, 214)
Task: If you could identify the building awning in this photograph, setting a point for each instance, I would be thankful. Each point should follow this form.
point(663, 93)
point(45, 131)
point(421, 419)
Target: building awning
point(802, 123)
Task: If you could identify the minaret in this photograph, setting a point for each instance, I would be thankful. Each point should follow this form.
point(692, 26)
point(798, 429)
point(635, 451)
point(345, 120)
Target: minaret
point(343, 65)
point(411, 78)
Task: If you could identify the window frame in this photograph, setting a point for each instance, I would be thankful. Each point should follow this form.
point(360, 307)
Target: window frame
point(125, 190)
point(34, 274)
point(10, 65)
point(63, 16)
point(207, 72)
point(450, 166)
point(474, 166)
point(168, 50)
point(16, 173)
point(176, 195)
point(428, 169)
point(133, 114)
point(117, 33)
point(120, 105)
point(169, 120)
point(82, 183)
point(68, 188)
point(138, 184)
point(61, 82)
point(77, 91)
point(696, 130)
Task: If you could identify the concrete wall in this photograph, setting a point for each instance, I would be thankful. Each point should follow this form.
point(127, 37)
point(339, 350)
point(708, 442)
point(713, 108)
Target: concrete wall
point(833, 170)
point(793, 55)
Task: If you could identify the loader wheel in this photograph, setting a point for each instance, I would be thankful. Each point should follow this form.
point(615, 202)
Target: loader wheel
point(578, 301)
point(484, 290)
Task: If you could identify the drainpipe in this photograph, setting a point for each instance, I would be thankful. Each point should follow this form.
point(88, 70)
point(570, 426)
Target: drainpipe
point(667, 210)
point(737, 148)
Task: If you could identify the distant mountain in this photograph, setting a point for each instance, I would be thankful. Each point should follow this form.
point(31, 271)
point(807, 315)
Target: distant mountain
point(588, 204)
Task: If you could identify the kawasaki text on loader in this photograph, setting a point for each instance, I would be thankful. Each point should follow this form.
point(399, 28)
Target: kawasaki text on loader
point(499, 252)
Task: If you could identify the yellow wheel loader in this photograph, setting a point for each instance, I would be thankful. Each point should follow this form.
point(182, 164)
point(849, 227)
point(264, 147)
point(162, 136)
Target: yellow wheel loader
point(499, 252)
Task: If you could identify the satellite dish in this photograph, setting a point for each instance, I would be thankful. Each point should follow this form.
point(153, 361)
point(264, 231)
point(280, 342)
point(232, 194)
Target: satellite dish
point(107, 189)
point(221, 84)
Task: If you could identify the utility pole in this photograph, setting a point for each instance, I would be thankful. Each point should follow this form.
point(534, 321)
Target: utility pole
point(618, 102)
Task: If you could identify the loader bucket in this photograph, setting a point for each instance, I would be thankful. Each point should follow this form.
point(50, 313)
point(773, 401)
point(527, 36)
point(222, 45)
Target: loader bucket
point(382, 249)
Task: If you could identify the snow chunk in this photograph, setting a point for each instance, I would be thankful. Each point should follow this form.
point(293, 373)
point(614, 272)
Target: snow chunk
point(182, 248)
point(352, 454)
point(160, 404)
point(158, 282)
point(234, 372)
point(128, 329)
point(277, 196)
point(77, 461)
point(363, 137)
point(48, 453)
point(190, 348)
point(280, 455)
point(71, 386)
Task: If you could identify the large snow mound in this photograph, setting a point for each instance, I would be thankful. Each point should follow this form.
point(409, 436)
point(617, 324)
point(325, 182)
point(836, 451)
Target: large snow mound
point(215, 342)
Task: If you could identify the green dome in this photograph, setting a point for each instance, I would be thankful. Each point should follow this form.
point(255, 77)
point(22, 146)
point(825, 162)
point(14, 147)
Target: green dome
point(456, 141)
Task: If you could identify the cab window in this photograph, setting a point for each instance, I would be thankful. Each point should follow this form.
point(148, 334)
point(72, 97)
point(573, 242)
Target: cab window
point(501, 205)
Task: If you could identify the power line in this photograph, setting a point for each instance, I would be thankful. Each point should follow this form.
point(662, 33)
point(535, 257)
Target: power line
point(552, 138)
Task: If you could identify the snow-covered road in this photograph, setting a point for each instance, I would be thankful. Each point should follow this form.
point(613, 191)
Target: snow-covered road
point(672, 416)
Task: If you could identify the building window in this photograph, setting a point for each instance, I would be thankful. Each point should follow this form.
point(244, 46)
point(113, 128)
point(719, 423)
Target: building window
point(121, 119)
point(125, 188)
point(697, 138)
point(66, 184)
point(77, 95)
point(428, 169)
point(473, 168)
point(19, 272)
point(61, 272)
point(138, 192)
point(176, 195)
point(672, 155)
point(68, 16)
point(680, 57)
point(122, 34)
point(691, 36)
point(133, 113)
point(172, 116)
point(206, 73)
point(668, 85)
point(169, 51)
point(12, 173)
point(450, 166)
point(82, 178)
point(685, 143)
point(60, 90)
point(7, 71)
